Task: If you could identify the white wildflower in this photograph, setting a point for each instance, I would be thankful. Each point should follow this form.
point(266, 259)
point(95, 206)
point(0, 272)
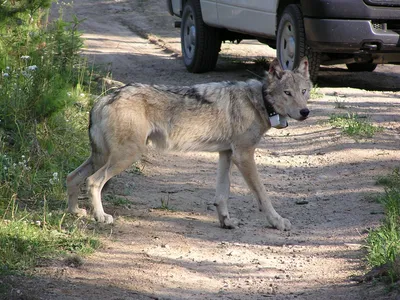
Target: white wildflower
point(25, 57)
point(32, 68)
point(69, 94)
point(8, 68)
point(6, 74)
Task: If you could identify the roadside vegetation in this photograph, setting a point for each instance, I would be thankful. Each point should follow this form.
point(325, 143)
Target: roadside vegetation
point(44, 104)
point(383, 243)
point(316, 92)
point(354, 125)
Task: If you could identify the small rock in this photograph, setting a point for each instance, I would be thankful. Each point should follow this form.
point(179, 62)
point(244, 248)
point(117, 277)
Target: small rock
point(301, 202)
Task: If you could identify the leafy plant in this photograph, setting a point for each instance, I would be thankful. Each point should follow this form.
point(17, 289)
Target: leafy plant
point(383, 243)
point(316, 93)
point(354, 125)
point(392, 180)
point(165, 203)
point(117, 200)
point(262, 61)
point(340, 104)
point(44, 107)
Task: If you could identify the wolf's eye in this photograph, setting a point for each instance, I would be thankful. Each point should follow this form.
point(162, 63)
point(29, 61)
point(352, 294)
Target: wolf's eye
point(304, 91)
point(288, 93)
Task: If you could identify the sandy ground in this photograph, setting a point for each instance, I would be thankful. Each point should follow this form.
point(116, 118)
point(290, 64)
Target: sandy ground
point(320, 179)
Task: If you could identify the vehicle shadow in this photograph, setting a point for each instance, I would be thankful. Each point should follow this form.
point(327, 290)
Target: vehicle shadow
point(382, 79)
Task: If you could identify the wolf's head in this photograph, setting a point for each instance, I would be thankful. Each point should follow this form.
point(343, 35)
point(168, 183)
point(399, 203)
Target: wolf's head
point(288, 91)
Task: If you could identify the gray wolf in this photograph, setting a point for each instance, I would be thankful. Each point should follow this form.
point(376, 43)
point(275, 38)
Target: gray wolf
point(226, 117)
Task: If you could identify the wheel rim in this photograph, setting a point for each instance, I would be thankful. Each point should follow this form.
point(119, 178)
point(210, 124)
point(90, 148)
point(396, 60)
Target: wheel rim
point(189, 36)
point(287, 50)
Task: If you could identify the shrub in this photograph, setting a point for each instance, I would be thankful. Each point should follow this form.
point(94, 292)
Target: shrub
point(43, 133)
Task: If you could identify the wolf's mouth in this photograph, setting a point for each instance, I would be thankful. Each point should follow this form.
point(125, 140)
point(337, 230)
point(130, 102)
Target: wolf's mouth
point(301, 118)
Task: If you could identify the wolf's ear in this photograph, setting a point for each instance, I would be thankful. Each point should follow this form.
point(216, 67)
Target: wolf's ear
point(275, 69)
point(302, 69)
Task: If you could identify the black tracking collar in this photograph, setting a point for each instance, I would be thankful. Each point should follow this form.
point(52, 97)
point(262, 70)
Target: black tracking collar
point(268, 106)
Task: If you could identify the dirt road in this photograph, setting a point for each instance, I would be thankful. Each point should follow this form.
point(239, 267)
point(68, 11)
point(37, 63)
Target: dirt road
point(320, 179)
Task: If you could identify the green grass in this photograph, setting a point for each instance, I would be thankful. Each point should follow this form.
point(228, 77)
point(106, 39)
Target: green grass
point(383, 243)
point(117, 200)
point(340, 104)
point(44, 107)
point(262, 61)
point(354, 125)
point(165, 204)
point(390, 181)
point(316, 93)
point(27, 242)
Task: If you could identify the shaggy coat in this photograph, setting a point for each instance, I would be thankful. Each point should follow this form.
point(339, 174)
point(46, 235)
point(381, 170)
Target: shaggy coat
point(227, 117)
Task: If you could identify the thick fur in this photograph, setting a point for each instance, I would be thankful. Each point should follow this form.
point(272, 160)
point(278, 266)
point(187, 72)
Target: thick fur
point(227, 117)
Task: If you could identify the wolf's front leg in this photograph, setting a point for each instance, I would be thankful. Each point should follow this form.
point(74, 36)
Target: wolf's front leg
point(223, 187)
point(244, 160)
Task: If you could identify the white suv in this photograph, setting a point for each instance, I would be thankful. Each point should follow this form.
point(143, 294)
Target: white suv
point(359, 33)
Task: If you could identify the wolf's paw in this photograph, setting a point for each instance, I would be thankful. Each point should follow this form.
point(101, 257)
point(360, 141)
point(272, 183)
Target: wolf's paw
point(282, 224)
point(229, 223)
point(80, 212)
point(103, 218)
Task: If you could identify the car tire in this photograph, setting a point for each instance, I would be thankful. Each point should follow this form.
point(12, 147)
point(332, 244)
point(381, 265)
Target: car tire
point(200, 43)
point(292, 44)
point(361, 67)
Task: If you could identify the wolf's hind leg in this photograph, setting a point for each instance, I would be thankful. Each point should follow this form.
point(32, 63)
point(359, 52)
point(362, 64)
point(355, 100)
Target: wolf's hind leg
point(74, 181)
point(223, 187)
point(117, 162)
point(244, 160)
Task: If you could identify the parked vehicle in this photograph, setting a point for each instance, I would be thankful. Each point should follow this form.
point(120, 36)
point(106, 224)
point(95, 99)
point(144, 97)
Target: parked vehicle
point(358, 33)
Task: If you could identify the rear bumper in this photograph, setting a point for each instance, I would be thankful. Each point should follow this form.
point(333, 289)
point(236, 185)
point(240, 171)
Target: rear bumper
point(349, 36)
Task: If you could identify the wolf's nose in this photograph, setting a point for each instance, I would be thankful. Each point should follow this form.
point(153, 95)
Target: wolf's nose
point(304, 112)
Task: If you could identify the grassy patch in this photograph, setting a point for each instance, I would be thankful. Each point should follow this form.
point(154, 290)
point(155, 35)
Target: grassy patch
point(44, 107)
point(316, 93)
point(383, 243)
point(262, 61)
point(340, 104)
point(117, 200)
point(27, 242)
point(354, 125)
point(165, 204)
point(390, 181)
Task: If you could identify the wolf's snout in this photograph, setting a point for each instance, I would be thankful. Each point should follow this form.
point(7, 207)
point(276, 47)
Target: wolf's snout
point(304, 112)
